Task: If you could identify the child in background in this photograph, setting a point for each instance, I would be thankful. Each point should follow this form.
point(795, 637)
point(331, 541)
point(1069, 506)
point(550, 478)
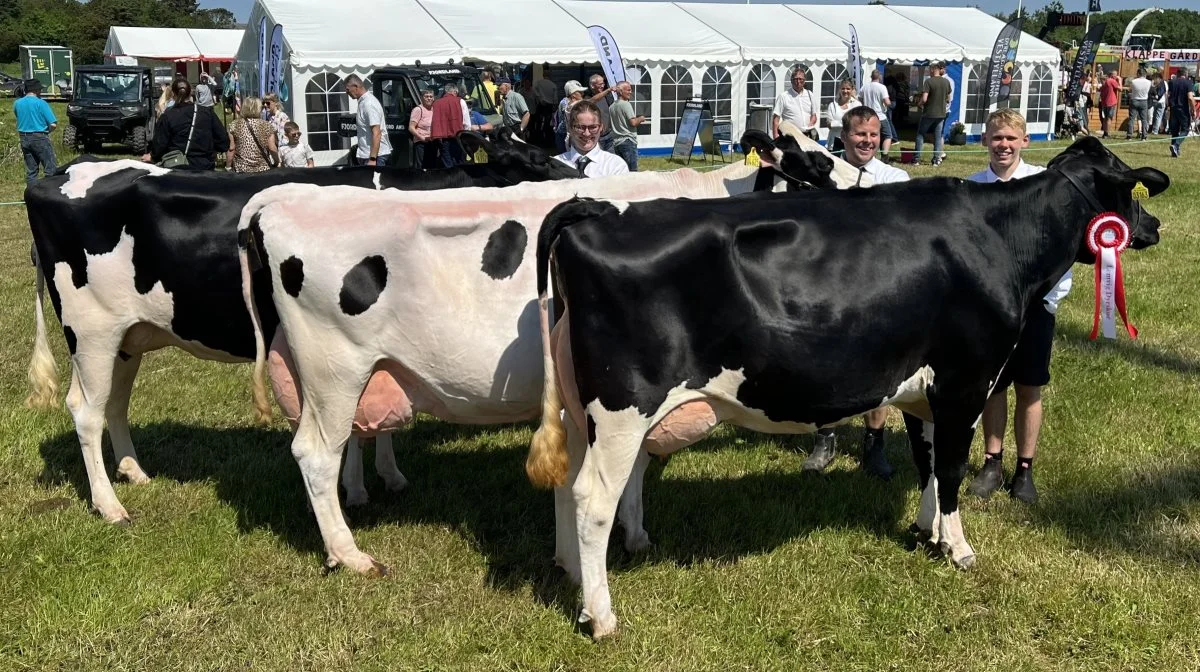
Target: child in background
point(295, 154)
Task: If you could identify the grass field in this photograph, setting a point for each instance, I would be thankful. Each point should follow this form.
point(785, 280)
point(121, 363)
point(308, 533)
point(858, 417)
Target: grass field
point(757, 566)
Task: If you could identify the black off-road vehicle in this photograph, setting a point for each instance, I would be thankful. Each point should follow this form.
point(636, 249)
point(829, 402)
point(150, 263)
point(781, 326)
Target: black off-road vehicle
point(111, 103)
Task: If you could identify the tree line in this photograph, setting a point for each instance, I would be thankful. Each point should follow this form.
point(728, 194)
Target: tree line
point(1180, 28)
point(83, 26)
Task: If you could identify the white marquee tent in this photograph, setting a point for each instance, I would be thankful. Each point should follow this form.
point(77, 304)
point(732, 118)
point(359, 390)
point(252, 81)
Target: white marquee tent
point(730, 54)
point(152, 47)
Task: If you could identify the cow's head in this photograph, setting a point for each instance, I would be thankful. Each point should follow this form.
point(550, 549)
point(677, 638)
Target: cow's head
point(516, 160)
point(1108, 183)
point(785, 159)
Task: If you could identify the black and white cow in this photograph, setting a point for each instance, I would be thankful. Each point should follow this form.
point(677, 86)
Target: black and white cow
point(138, 258)
point(790, 313)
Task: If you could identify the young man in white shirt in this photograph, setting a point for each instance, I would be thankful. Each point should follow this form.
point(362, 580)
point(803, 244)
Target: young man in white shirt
point(1139, 105)
point(583, 153)
point(1028, 368)
point(796, 105)
point(875, 96)
point(374, 147)
point(861, 134)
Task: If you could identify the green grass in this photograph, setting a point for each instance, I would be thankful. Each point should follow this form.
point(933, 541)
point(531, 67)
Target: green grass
point(756, 566)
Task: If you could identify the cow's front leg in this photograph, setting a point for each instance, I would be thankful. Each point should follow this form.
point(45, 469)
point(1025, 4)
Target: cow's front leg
point(385, 464)
point(602, 478)
point(352, 475)
point(317, 446)
point(920, 438)
point(954, 416)
point(630, 511)
point(116, 412)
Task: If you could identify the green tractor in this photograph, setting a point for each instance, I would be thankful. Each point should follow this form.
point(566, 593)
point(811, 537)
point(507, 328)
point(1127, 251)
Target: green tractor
point(111, 103)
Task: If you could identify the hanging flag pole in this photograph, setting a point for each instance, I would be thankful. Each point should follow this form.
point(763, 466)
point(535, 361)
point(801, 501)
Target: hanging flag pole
point(855, 58)
point(610, 56)
point(1003, 63)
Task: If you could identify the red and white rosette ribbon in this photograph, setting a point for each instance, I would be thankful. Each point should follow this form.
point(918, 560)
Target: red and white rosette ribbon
point(1107, 237)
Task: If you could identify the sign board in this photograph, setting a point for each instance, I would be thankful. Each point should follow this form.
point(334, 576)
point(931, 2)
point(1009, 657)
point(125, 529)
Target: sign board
point(1163, 54)
point(348, 125)
point(689, 127)
point(125, 60)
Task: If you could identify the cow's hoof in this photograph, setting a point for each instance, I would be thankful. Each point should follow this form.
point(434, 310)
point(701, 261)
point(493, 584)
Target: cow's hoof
point(357, 498)
point(364, 565)
point(963, 562)
point(132, 472)
point(636, 543)
point(115, 515)
point(378, 570)
point(602, 627)
point(395, 483)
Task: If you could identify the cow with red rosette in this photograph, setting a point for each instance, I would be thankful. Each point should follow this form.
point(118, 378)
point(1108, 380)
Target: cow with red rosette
point(791, 312)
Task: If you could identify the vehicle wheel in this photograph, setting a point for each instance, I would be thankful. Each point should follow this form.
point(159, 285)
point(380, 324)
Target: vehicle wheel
point(70, 138)
point(137, 140)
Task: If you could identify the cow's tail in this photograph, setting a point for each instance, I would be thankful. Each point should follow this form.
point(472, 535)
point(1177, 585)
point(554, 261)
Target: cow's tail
point(43, 373)
point(547, 464)
point(246, 247)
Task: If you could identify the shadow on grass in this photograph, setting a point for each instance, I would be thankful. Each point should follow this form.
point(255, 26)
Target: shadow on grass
point(1136, 352)
point(478, 487)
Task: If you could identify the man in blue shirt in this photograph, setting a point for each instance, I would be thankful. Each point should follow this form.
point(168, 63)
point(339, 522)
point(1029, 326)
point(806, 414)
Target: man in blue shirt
point(1180, 100)
point(35, 121)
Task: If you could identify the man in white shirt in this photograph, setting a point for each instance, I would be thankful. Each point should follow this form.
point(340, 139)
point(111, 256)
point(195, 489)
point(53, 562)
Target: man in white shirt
point(796, 105)
point(1139, 105)
point(374, 147)
point(583, 153)
point(861, 132)
point(1028, 368)
point(875, 96)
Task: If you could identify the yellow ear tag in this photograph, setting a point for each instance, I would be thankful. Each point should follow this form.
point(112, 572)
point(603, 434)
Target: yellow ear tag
point(481, 156)
point(1140, 192)
point(752, 158)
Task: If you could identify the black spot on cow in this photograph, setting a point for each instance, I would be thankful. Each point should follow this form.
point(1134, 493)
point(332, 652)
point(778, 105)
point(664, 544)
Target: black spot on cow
point(291, 274)
point(69, 334)
point(505, 250)
point(125, 356)
point(591, 430)
point(362, 285)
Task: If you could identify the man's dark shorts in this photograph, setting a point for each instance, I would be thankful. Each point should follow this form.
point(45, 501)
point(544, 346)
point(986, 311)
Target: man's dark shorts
point(1030, 362)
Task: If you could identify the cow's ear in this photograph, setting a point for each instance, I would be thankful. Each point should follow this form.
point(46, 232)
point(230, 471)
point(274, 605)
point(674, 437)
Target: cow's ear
point(473, 142)
point(1153, 179)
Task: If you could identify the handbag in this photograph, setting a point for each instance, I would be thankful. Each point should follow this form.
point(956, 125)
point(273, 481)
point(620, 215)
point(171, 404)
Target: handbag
point(176, 158)
point(271, 161)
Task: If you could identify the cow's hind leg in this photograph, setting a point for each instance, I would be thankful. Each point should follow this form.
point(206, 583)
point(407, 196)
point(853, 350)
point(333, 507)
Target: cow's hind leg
point(566, 540)
point(385, 463)
point(954, 414)
point(125, 369)
point(352, 475)
point(630, 510)
point(606, 469)
point(91, 385)
point(324, 428)
point(920, 437)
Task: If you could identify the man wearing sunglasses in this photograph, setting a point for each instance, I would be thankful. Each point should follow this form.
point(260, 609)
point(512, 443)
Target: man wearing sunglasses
point(796, 105)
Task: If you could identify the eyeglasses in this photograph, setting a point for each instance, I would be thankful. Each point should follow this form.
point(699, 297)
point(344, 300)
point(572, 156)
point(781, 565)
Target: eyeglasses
point(594, 128)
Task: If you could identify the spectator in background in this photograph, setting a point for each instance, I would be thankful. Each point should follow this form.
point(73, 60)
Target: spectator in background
point(1181, 99)
point(625, 124)
point(490, 87)
point(845, 102)
point(545, 96)
point(477, 121)
point(273, 111)
point(1139, 105)
point(1158, 98)
point(1085, 102)
point(253, 146)
point(374, 147)
point(875, 96)
point(35, 122)
point(601, 97)
point(189, 128)
point(450, 116)
point(515, 111)
point(420, 123)
point(1110, 98)
point(294, 153)
point(204, 91)
point(583, 152)
point(796, 105)
point(574, 93)
point(932, 103)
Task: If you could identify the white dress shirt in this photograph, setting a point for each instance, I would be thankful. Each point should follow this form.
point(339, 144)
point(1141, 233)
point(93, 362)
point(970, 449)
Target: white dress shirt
point(797, 107)
point(600, 164)
point(1060, 290)
point(882, 173)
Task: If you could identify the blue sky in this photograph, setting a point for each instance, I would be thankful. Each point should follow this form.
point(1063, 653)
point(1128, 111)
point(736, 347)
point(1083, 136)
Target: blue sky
point(241, 8)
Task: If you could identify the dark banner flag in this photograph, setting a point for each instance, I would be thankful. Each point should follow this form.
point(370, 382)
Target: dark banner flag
point(1083, 59)
point(1004, 57)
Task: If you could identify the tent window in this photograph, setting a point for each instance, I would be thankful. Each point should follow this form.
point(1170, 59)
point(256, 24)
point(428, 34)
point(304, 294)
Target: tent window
point(639, 78)
point(977, 108)
point(1041, 95)
point(718, 91)
point(830, 82)
point(760, 88)
point(676, 90)
point(325, 101)
point(1014, 93)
